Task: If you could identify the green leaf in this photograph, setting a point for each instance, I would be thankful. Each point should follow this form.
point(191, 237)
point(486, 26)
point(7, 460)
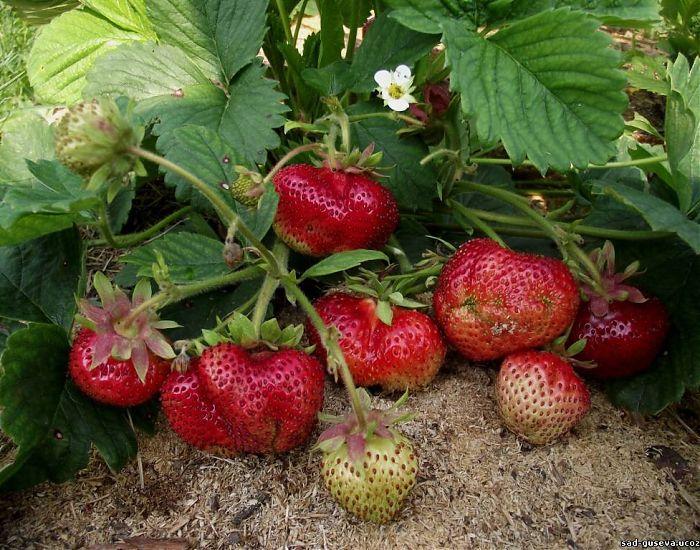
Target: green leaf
point(683, 130)
point(620, 13)
point(40, 279)
point(127, 14)
point(174, 91)
point(222, 36)
point(52, 202)
point(412, 184)
point(548, 86)
point(428, 16)
point(342, 261)
point(52, 423)
point(647, 73)
point(677, 370)
point(189, 257)
point(7, 327)
point(207, 156)
point(384, 312)
point(65, 50)
point(660, 215)
point(25, 135)
point(332, 33)
point(55, 190)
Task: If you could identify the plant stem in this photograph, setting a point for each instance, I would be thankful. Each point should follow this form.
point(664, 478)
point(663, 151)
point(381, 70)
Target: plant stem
point(302, 12)
point(133, 239)
point(177, 293)
point(394, 247)
point(390, 115)
point(352, 37)
point(437, 154)
point(269, 286)
point(476, 222)
point(105, 229)
point(588, 230)
point(229, 216)
point(289, 156)
point(609, 165)
point(213, 197)
point(284, 17)
point(333, 350)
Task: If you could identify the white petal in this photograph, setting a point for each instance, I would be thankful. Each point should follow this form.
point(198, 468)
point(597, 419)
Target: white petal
point(400, 104)
point(383, 78)
point(402, 74)
point(385, 94)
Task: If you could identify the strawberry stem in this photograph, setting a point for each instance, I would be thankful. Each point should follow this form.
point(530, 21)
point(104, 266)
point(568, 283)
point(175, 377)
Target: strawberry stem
point(229, 217)
point(176, 294)
point(269, 286)
point(289, 156)
point(133, 239)
point(476, 222)
point(335, 354)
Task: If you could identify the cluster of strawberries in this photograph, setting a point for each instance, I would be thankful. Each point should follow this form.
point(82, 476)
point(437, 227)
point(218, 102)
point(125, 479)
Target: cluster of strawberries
point(490, 303)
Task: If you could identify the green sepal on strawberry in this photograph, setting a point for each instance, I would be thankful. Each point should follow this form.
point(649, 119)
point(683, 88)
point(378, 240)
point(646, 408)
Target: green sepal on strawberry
point(539, 395)
point(369, 472)
point(120, 357)
point(624, 329)
point(491, 301)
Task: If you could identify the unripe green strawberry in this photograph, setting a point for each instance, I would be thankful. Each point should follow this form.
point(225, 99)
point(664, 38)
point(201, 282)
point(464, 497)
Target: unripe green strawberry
point(374, 487)
point(246, 190)
point(95, 136)
point(369, 469)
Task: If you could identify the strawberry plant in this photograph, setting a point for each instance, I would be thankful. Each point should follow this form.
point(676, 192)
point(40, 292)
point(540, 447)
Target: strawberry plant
point(361, 161)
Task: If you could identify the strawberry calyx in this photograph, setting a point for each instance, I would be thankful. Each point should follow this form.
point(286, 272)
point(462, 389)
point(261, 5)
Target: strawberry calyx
point(122, 332)
point(612, 285)
point(385, 293)
point(241, 331)
point(347, 430)
point(364, 162)
point(559, 347)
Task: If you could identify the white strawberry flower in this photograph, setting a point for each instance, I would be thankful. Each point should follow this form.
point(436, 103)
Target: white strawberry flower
point(395, 87)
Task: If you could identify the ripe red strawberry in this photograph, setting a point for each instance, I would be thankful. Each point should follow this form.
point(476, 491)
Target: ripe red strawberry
point(323, 211)
point(624, 330)
point(120, 358)
point(112, 381)
point(404, 355)
point(491, 301)
point(270, 399)
point(370, 472)
point(192, 415)
point(539, 396)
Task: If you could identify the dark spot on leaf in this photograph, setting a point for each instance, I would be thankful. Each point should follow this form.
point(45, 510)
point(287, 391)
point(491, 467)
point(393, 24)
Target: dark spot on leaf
point(226, 159)
point(57, 434)
point(224, 185)
point(178, 93)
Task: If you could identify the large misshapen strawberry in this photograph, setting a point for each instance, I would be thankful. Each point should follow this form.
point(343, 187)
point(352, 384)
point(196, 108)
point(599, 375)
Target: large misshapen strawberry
point(120, 357)
point(405, 354)
point(193, 415)
point(269, 398)
point(491, 301)
point(539, 396)
point(624, 329)
point(322, 211)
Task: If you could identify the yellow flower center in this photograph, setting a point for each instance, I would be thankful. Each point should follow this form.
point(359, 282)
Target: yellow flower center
point(395, 91)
